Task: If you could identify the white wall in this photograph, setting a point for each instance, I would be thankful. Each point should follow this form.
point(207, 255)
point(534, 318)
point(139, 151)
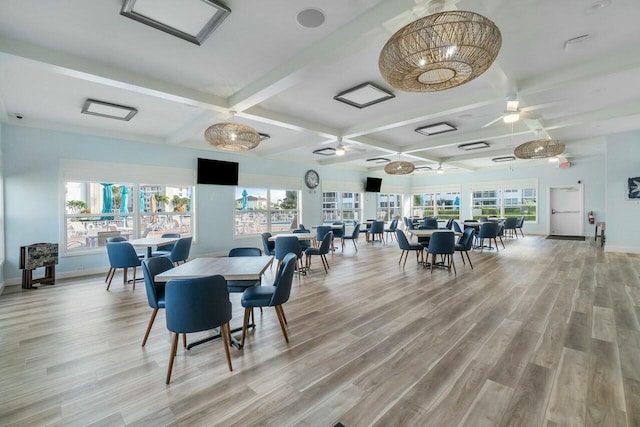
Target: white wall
point(623, 162)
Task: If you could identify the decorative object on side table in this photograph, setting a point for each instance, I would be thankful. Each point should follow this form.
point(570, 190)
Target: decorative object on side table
point(35, 256)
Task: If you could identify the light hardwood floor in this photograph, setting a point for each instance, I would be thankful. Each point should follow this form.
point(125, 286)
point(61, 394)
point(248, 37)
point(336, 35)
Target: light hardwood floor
point(544, 332)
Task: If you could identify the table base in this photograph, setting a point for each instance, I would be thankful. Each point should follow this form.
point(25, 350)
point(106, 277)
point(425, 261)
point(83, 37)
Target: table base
point(234, 341)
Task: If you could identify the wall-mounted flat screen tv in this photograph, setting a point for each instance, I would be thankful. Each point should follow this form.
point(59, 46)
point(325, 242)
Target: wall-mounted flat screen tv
point(373, 185)
point(217, 172)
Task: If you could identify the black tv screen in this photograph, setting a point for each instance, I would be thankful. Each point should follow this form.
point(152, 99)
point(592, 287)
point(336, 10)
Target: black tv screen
point(373, 185)
point(217, 172)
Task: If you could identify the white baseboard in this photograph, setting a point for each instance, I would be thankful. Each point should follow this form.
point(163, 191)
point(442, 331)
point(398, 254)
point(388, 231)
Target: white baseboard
point(622, 249)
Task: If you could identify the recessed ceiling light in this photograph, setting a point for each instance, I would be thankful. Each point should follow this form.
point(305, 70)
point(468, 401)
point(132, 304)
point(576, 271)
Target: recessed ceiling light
point(190, 20)
point(473, 146)
point(597, 6)
point(379, 160)
point(364, 95)
point(554, 159)
point(576, 42)
point(328, 151)
point(435, 129)
point(108, 110)
point(503, 159)
point(310, 18)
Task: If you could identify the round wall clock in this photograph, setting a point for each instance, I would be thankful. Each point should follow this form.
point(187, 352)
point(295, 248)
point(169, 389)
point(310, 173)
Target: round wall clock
point(311, 179)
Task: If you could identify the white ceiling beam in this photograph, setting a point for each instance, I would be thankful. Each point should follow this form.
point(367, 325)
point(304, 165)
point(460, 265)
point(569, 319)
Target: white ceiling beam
point(624, 109)
point(89, 70)
point(478, 154)
point(262, 115)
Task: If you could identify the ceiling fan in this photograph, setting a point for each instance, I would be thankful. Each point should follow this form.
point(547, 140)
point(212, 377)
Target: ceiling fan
point(341, 149)
point(512, 113)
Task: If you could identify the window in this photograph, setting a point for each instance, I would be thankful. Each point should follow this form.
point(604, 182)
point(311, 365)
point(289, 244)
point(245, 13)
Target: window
point(260, 209)
point(341, 206)
point(95, 211)
point(505, 199)
point(389, 206)
point(441, 204)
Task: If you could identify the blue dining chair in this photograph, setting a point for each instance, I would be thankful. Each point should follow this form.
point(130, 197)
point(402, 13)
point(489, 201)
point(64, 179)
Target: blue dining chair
point(180, 252)
point(304, 244)
point(165, 250)
point(429, 224)
point(321, 251)
point(268, 246)
point(377, 228)
point(442, 243)
point(239, 286)
point(339, 233)
point(406, 247)
point(456, 227)
point(155, 290)
point(488, 230)
point(520, 224)
point(355, 234)
point(271, 296)
point(195, 305)
point(121, 255)
point(464, 244)
point(392, 228)
point(285, 245)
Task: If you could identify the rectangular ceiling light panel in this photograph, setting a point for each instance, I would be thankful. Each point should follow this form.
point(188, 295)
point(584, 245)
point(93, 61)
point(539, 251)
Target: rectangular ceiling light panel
point(364, 95)
point(436, 129)
point(191, 20)
point(108, 110)
point(473, 146)
point(503, 159)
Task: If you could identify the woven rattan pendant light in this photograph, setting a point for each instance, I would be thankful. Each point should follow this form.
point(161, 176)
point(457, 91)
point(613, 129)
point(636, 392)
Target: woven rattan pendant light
point(232, 136)
point(440, 51)
point(539, 149)
point(399, 168)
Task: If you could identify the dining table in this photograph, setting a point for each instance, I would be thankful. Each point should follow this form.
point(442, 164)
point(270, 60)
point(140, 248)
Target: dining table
point(152, 242)
point(231, 268)
point(300, 236)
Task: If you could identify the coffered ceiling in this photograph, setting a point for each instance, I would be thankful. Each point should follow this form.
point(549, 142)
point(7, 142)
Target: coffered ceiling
point(281, 78)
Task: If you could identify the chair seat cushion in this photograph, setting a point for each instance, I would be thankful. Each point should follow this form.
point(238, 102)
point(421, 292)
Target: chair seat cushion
point(415, 247)
point(460, 247)
point(312, 251)
point(239, 286)
point(257, 296)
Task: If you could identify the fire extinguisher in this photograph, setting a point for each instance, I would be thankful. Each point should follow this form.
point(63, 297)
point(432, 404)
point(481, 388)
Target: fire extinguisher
point(592, 217)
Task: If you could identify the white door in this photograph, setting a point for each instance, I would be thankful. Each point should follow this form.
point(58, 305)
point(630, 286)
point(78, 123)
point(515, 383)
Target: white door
point(566, 211)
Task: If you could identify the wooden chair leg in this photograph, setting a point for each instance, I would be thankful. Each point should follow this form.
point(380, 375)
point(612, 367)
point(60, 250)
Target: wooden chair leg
point(126, 273)
point(433, 261)
point(174, 349)
point(452, 263)
point(283, 316)
point(468, 259)
point(462, 256)
point(355, 245)
point(247, 313)
point(225, 332)
point(184, 340)
point(134, 278)
point(282, 325)
point(108, 274)
point(113, 272)
point(153, 317)
point(401, 255)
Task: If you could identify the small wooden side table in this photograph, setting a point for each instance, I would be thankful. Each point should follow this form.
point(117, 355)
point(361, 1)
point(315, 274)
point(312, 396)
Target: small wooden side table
point(35, 256)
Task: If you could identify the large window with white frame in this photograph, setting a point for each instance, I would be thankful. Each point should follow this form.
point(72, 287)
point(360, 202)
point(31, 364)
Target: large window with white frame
point(343, 206)
point(388, 206)
point(259, 210)
point(505, 199)
point(443, 203)
point(96, 207)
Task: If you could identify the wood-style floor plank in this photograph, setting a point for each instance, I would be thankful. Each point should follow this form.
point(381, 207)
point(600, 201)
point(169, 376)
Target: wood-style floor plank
point(542, 333)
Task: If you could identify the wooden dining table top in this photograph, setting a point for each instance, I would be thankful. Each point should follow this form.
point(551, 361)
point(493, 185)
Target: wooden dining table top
point(431, 231)
point(231, 268)
point(300, 236)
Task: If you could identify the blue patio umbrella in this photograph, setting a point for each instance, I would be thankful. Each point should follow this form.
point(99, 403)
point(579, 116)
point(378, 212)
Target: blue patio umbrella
point(141, 201)
point(124, 199)
point(457, 201)
point(244, 199)
point(107, 200)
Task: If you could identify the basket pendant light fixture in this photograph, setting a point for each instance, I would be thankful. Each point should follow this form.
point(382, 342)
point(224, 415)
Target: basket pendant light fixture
point(440, 51)
point(399, 168)
point(231, 136)
point(539, 149)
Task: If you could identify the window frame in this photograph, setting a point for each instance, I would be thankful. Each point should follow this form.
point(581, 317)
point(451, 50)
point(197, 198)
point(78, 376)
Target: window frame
point(268, 212)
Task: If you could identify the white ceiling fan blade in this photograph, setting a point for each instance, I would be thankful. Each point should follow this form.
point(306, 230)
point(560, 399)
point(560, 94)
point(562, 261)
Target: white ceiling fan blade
point(541, 106)
point(493, 121)
point(530, 116)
